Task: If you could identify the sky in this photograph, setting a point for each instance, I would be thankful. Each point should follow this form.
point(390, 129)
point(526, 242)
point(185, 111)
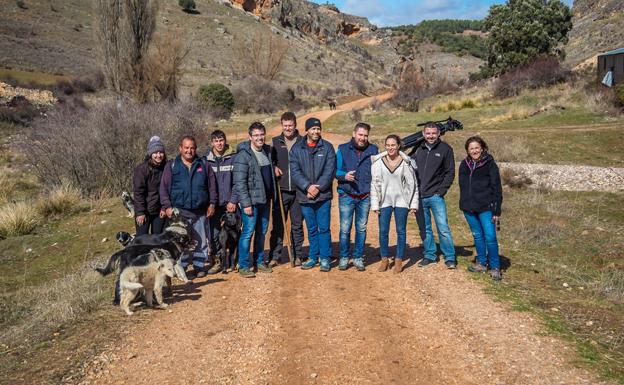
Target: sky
point(397, 12)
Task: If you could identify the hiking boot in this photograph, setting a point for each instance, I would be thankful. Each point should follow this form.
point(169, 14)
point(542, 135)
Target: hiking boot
point(477, 268)
point(199, 273)
point(496, 274)
point(262, 268)
point(308, 265)
point(273, 263)
point(297, 261)
point(451, 265)
point(383, 265)
point(426, 262)
point(398, 266)
point(325, 267)
point(359, 264)
point(216, 268)
point(343, 264)
point(246, 273)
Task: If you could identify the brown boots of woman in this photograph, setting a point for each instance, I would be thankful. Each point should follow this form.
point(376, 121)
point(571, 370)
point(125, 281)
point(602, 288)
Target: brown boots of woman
point(385, 262)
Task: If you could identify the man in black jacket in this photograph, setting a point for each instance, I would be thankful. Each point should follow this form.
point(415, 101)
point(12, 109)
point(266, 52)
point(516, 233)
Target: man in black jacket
point(435, 171)
point(282, 144)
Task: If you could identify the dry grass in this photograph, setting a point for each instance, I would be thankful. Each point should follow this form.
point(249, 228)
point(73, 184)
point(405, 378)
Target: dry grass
point(456, 106)
point(17, 219)
point(514, 113)
point(513, 149)
point(8, 186)
point(514, 179)
point(62, 200)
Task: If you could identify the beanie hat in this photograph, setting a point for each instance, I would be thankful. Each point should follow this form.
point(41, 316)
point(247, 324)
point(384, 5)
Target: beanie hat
point(155, 145)
point(312, 122)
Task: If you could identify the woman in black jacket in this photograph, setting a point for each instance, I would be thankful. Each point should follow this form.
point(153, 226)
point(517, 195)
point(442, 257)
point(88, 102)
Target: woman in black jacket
point(480, 198)
point(149, 218)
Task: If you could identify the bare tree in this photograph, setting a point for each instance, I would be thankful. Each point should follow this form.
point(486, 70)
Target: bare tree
point(108, 21)
point(168, 58)
point(141, 23)
point(262, 56)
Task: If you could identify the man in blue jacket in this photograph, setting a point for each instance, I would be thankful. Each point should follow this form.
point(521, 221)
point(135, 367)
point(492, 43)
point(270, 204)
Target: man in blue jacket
point(188, 185)
point(220, 158)
point(254, 187)
point(353, 171)
point(312, 169)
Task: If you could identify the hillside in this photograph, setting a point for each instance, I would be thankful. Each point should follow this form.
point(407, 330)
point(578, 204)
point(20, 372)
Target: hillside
point(597, 28)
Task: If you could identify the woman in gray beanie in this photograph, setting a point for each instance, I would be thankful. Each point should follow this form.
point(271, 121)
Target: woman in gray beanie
point(149, 218)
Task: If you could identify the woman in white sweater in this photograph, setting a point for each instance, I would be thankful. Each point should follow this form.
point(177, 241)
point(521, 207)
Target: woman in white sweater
point(393, 190)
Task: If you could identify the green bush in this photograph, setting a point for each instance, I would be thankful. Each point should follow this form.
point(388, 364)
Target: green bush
point(217, 97)
point(187, 5)
point(619, 94)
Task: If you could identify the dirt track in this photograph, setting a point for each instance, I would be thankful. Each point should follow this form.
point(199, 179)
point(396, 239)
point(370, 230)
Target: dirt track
point(423, 326)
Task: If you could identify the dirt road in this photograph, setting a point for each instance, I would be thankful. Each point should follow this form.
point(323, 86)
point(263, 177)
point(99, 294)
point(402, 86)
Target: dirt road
point(423, 326)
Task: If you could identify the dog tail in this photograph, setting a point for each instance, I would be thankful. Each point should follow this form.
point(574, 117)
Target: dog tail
point(131, 285)
point(111, 266)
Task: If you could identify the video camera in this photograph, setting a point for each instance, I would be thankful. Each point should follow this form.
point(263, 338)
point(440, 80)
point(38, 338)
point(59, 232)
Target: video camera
point(413, 141)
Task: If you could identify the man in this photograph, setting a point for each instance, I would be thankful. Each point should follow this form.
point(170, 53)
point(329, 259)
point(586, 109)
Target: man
point(253, 185)
point(189, 186)
point(312, 169)
point(353, 171)
point(435, 171)
point(282, 145)
point(220, 158)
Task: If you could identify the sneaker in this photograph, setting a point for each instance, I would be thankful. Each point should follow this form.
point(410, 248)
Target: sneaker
point(216, 268)
point(477, 268)
point(297, 261)
point(273, 263)
point(262, 268)
point(451, 265)
point(426, 262)
point(308, 264)
point(325, 267)
point(343, 264)
point(359, 264)
point(246, 273)
point(496, 274)
point(199, 273)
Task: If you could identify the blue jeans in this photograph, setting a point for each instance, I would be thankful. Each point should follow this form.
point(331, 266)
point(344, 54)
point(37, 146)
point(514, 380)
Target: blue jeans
point(437, 206)
point(348, 206)
point(200, 233)
point(317, 218)
point(400, 223)
point(484, 233)
point(255, 225)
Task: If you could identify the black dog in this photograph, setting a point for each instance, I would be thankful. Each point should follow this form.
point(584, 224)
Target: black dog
point(124, 237)
point(231, 224)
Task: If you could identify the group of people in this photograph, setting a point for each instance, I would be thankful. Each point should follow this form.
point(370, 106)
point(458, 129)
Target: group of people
point(293, 179)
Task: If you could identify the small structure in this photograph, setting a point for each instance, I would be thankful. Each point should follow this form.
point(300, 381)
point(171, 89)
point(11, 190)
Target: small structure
point(611, 67)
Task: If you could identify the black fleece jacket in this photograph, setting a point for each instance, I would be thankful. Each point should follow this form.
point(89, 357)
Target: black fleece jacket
point(435, 169)
point(480, 186)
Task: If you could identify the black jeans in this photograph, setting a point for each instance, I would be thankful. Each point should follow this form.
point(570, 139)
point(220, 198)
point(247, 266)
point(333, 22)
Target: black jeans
point(153, 224)
point(276, 242)
point(215, 229)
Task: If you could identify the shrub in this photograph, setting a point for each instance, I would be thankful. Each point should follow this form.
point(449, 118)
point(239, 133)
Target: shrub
point(619, 94)
point(514, 179)
point(17, 219)
point(8, 185)
point(19, 111)
point(89, 83)
point(98, 149)
point(218, 97)
point(62, 200)
point(543, 71)
point(262, 96)
point(21, 4)
point(187, 5)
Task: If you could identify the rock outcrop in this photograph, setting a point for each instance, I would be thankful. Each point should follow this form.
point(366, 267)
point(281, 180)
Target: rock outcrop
point(597, 27)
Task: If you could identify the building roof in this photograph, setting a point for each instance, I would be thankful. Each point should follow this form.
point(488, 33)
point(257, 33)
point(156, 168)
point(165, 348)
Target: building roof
point(614, 52)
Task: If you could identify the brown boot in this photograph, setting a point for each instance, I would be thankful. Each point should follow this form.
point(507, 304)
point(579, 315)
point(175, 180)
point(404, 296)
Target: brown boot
point(383, 265)
point(398, 266)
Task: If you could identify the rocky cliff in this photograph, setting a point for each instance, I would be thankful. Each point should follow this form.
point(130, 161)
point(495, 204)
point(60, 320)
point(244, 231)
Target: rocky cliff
point(597, 27)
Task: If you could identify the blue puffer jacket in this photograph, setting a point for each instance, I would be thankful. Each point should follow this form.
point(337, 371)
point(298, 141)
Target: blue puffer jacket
point(310, 166)
point(349, 158)
point(188, 188)
point(223, 168)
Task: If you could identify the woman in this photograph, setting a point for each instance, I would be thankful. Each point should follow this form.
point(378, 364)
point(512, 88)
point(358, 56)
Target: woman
point(148, 216)
point(480, 198)
point(393, 190)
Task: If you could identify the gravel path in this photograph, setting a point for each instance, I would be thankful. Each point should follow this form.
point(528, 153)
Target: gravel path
point(570, 177)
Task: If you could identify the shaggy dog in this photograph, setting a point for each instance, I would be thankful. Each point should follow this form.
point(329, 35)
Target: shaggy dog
point(228, 240)
point(128, 203)
point(124, 237)
point(149, 277)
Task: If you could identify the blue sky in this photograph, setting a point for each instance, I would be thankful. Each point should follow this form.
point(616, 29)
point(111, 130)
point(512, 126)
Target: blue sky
point(397, 12)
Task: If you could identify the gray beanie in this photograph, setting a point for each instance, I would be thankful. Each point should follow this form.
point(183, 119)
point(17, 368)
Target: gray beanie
point(155, 145)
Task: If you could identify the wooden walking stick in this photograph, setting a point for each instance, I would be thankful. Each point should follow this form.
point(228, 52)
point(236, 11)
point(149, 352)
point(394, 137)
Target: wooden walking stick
point(286, 237)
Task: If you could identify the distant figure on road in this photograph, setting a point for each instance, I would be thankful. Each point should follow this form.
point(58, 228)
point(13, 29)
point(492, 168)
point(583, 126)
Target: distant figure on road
point(332, 105)
point(312, 169)
point(435, 171)
point(393, 190)
point(481, 198)
point(353, 172)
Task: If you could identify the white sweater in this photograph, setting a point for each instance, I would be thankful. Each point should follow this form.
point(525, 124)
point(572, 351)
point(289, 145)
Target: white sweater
point(398, 189)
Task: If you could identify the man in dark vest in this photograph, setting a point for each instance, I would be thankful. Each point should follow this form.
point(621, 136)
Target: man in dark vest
point(282, 144)
point(189, 186)
point(353, 171)
point(253, 185)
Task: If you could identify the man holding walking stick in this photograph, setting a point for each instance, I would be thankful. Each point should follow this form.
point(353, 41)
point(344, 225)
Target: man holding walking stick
point(287, 202)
